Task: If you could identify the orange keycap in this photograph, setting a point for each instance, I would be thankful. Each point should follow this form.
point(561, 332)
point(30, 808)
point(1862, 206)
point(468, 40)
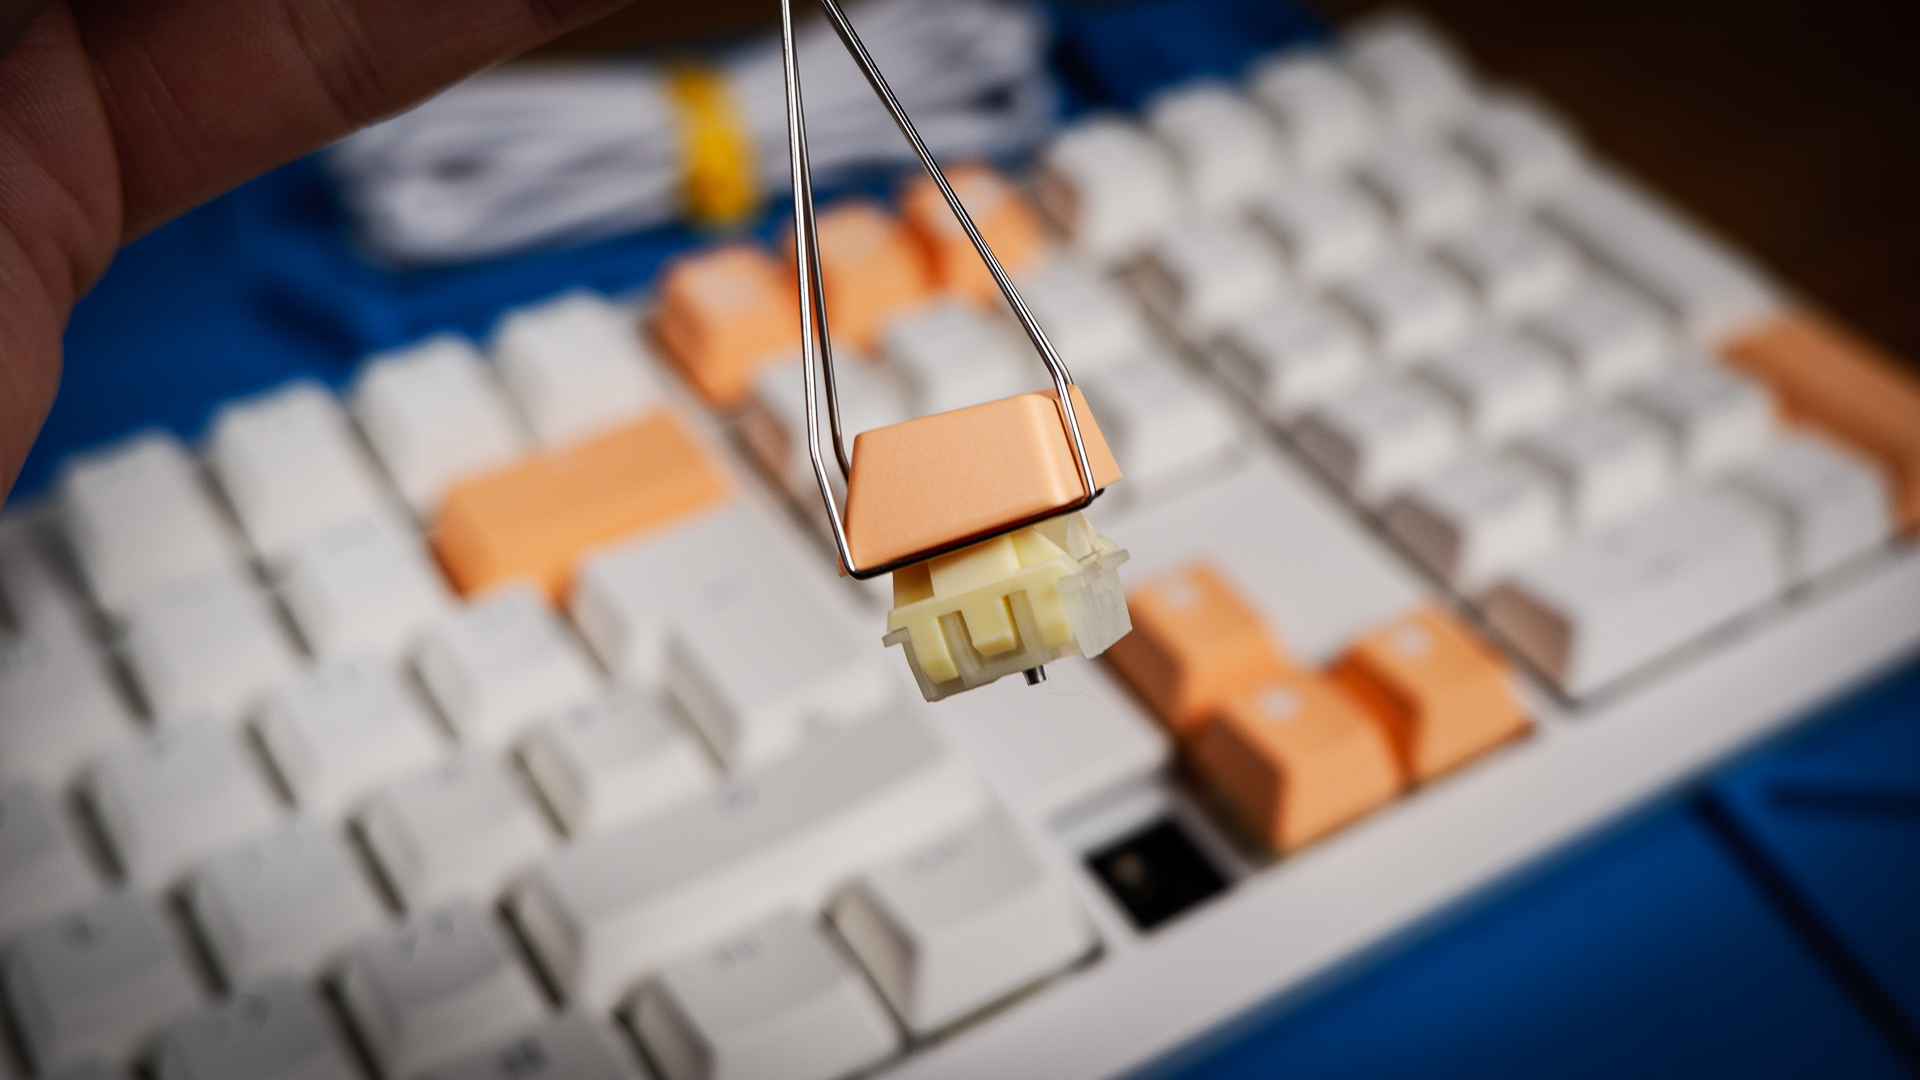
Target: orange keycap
point(1195, 643)
point(870, 271)
point(534, 520)
point(1004, 219)
point(943, 478)
point(1297, 758)
point(724, 315)
point(1832, 380)
point(1445, 696)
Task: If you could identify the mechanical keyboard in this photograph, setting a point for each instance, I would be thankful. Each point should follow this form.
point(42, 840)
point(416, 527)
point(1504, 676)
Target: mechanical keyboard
point(504, 716)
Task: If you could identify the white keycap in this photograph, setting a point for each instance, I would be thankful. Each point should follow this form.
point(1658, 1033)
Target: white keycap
point(1609, 337)
point(1414, 74)
point(776, 428)
point(1608, 463)
point(1500, 384)
point(283, 904)
point(58, 705)
point(776, 1001)
point(1524, 150)
point(1697, 281)
point(1514, 266)
point(571, 1046)
point(140, 520)
point(1714, 418)
point(211, 647)
point(174, 796)
point(368, 586)
point(1089, 319)
point(459, 830)
point(1428, 190)
point(1227, 149)
point(1623, 597)
point(1163, 426)
point(42, 869)
point(435, 415)
point(605, 911)
point(1380, 436)
point(576, 367)
point(1831, 504)
point(277, 1031)
point(439, 986)
point(1326, 116)
point(500, 663)
point(1294, 351)
point(739, 629)
point(615, 760)
point(959, 923)
point(1327, 227)
point(1411, 307)
point(1198, 277)
point(1109, 187)
point(89, 1070)
point(291, 465)
point(1477, 519)
point(336, 732)
point(97, 983)
point(950, 355)
point(37, 576)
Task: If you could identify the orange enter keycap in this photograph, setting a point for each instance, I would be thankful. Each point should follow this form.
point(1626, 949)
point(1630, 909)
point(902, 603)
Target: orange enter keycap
point(942, 478)
point(1834, 381)
point(1004, 219)
point(1195, 643)
point(870, 271)
point(1445, 696)
point(534, 520)
point(1297, 758)
point(724, 315)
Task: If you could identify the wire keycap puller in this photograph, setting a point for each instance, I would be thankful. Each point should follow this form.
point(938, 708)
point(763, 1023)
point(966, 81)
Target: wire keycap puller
point(977, 513)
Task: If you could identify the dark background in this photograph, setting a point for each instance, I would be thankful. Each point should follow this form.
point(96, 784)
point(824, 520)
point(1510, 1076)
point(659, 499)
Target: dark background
point(1793, 128)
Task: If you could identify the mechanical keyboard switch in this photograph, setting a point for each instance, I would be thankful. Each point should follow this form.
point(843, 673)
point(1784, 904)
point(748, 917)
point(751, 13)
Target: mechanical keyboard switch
point(775, 1001)
point(1195, 642)
point(1445, 695)
point(725, 314)
point(1297, 757)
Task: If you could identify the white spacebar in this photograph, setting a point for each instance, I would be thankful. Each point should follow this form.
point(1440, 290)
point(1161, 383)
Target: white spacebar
point(604, 913)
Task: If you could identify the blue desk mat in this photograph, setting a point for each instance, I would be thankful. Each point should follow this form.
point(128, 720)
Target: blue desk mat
point(1763, 924)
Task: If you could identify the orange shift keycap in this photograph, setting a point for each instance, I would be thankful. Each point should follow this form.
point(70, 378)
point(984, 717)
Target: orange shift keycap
point(1445, 697)
point(870, 271)
point(1834, 381)
point(1195, 643)
point(943, 478)
point(724, 315)
point(1297, 758)
point(1004, 219)
point(533, 521)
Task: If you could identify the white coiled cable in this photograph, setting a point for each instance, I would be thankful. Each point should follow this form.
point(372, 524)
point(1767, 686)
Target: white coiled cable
point(532, 156)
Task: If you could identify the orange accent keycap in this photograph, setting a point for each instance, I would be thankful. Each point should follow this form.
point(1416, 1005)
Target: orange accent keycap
point(724, 315)
point(1832, 380)
point(1297, 758)
point(1004, 219)
point(870, 271)
point(942, 478)
point(1195, 643)
point(534, 520)
point(1445, 697)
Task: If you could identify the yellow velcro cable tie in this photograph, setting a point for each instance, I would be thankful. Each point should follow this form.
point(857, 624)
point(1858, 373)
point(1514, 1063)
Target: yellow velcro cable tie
point(715, 148)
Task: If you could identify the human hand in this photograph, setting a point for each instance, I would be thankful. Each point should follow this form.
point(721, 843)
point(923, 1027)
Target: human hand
point(116, 115)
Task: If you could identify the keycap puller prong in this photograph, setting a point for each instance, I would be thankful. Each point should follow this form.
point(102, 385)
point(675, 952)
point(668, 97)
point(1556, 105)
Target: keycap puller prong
point(816, 350)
